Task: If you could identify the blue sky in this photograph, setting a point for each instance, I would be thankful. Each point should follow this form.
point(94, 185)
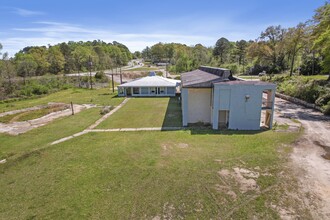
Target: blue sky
point(142, 23)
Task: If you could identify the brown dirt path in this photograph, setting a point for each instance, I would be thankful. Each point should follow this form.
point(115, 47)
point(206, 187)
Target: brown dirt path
point(307, 158)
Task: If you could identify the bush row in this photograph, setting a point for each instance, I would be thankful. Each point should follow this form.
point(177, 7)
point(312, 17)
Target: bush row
point(307, 89)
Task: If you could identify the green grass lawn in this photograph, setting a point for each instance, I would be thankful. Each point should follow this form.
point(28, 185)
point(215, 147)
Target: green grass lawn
point(145, 68)
point(77, 96)
point(248, 77)
point(146, 112)
point(316, 77)
point(142, 175)
point(12, 147)
point(17, 146)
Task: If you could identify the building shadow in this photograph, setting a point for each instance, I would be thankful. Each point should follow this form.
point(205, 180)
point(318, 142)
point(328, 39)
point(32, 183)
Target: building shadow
point(173, 115)
point(173, 122)
point(210, 131)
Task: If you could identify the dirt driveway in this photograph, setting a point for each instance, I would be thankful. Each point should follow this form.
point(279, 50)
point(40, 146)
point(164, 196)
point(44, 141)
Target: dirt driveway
point(309, 155)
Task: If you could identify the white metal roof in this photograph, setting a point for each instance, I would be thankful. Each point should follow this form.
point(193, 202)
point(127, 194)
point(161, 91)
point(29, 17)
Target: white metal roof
point(152, 81)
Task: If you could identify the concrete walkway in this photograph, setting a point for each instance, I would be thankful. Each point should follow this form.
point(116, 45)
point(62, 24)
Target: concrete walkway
point(91, 127)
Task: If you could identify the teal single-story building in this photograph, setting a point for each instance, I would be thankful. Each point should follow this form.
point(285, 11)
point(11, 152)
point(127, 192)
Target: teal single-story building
point(213, 96)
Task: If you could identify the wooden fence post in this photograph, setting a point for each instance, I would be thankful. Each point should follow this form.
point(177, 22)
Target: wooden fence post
point(72, 109)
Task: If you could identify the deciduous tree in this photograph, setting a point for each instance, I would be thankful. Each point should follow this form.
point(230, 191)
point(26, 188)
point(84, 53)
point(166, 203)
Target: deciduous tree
point(322, 35)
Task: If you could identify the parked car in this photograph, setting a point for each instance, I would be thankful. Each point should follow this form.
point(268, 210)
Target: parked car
point(263, 73)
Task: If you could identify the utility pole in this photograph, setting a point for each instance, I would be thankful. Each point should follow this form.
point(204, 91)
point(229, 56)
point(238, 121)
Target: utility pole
point(113, 84)
point(90, 63)
point(121, 77)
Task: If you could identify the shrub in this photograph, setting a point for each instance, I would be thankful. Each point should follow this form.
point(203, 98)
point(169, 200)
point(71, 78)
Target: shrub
point(39, 89)
point(323, 99)
point(326, 109)
point(106, 110)
point(99, 75)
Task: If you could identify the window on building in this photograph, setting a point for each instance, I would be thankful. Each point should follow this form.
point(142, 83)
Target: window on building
point(136, 90)
point(161, 90)
point(121, 91)
point(153, 90)
point(145, 90)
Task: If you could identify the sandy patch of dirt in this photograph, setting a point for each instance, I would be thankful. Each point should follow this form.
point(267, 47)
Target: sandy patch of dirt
point(227, 190)
point(182, 145)
point(308, 161)
point(245, 178)
point(198, 207)
point(285, 214)
point(16, 128)
point(167, 147)
point(168, 211)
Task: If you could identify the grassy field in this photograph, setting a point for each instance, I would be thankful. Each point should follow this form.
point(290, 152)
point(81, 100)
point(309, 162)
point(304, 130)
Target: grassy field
point(142, 175)
point(77, 96)
point(146, 112)
point(145, 68)
point(248, 77)
point(190, 174)
point(30, 115)
point(17, 146)
point(316, 77)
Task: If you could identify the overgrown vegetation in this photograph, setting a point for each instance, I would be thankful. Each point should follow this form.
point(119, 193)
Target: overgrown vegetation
point(32, 70)
point(305, 88)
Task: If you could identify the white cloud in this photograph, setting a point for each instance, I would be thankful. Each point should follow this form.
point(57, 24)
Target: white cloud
point(42, 33)
point(46, 32)
point(26, 13)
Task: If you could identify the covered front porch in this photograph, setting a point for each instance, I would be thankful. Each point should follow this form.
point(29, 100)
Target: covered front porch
point(146, 91)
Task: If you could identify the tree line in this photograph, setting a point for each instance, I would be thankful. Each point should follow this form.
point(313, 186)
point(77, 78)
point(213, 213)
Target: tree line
point(58, 59)
point(66, 58)
point(303, 49)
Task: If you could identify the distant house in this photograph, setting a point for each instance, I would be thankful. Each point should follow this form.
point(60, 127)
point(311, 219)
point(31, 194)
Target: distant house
point(149, 86)
point(213, 96)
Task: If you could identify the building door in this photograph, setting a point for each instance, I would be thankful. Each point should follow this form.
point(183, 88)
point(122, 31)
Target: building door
point(128, 91)
point(223, 119)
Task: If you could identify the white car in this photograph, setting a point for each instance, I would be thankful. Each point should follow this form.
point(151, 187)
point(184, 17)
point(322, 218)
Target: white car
point(263, 73)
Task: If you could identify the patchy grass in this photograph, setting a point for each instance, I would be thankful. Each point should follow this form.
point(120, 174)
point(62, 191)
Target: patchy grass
point(145, 68)
point(30, 115)
point(189, 174)
point(295, 120)
point(78, 96)
point(315, 77)
point(142, 175)
point(146, 112)
point(248, 77)
point(17, 146)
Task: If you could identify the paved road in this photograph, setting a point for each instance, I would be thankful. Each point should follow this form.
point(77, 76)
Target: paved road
point(312, 169)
